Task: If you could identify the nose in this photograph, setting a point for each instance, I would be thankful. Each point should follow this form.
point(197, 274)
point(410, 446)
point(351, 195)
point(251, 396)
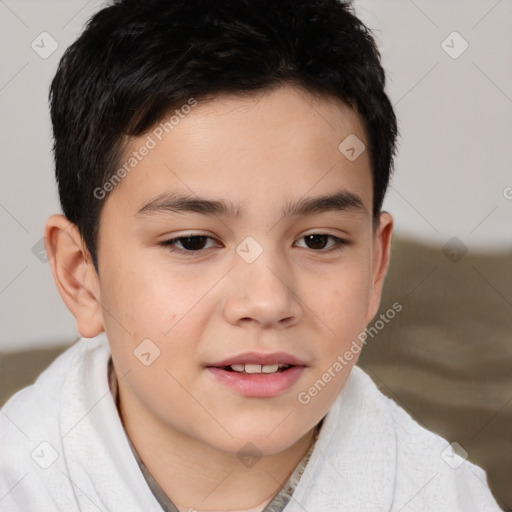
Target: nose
point(261, 293)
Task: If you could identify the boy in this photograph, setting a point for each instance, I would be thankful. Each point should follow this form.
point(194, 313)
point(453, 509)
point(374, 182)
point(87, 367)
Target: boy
point(221, 167)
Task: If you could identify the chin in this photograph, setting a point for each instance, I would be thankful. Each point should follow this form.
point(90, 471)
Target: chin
point(260, 442)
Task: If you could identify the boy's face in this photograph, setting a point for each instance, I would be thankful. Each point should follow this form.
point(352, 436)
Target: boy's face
point(251, 286)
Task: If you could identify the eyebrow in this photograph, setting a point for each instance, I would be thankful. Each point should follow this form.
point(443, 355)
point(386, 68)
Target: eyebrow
point(173, 203)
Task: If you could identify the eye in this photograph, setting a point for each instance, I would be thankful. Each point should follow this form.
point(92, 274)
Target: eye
point(319, 241)
point(194, 243)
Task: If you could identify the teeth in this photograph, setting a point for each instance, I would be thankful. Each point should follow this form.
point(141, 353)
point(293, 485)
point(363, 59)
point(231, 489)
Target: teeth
point(270, 368)
point(257, 368)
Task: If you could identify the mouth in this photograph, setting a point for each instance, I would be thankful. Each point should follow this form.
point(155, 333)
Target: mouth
point(253, 369)
point(258, 375)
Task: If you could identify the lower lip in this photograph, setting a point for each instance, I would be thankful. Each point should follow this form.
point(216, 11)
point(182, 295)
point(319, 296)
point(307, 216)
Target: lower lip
point(258, 384)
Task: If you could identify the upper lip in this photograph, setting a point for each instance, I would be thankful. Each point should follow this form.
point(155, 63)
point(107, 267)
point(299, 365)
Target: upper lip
point(259, 358)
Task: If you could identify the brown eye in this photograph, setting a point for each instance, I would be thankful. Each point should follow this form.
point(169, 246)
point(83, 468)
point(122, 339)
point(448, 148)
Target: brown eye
point(194, 243)
point(320, 242)
point(316, 241)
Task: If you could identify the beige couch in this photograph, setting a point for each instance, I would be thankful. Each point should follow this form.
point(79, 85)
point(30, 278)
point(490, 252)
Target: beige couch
point(446, 357)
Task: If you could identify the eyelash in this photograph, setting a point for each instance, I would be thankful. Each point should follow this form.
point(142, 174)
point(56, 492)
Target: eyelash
point(339, 244)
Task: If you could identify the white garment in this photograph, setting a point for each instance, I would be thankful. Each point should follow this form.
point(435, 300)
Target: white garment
point(63, 448)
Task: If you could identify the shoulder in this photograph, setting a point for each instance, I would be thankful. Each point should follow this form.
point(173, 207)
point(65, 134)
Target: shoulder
point(429, 471)
point(44, 395)
point(30, 426)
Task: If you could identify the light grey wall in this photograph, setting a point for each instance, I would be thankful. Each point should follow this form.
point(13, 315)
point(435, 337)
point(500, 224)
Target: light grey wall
point(453, 173)
point(454, 169)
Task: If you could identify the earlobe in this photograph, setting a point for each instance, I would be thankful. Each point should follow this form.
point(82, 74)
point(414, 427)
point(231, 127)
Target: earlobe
point(381, 257)
point(74, 274)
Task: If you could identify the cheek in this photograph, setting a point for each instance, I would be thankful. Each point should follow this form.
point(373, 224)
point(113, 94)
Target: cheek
point(150, 300)
point(342, 299)
point(341, 303)
point(153, 326)
point(160, 304)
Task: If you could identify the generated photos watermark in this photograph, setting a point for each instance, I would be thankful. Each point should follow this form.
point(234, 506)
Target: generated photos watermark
point(343, 360)
point(151, 142)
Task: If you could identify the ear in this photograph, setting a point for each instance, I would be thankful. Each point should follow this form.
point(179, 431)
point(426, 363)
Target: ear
point(74, 274)
point(381, 256)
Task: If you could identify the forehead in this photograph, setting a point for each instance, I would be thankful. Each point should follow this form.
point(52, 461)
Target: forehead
point(270, 147)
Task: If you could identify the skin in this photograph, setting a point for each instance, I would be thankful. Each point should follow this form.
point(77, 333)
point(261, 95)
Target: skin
point(259, 152)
